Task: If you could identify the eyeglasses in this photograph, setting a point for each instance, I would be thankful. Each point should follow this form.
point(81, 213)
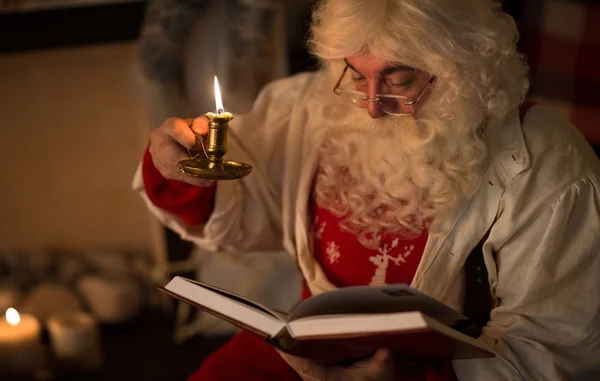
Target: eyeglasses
point(389, 103)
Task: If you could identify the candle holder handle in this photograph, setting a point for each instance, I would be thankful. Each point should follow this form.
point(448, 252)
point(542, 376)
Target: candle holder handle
point(200, 139)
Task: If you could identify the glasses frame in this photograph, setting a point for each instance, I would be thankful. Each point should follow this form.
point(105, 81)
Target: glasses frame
point(338, 91)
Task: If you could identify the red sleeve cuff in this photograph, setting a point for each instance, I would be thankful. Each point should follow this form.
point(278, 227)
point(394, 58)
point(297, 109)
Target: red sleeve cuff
point(191, 203)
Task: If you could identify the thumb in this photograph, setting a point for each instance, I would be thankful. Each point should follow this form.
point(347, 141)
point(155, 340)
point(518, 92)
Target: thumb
point(381, 356)
point(378, 360)
point(378, 357)
point(380, 366)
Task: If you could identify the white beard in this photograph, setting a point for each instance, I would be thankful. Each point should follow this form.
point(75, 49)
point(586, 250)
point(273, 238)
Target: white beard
point(397, 174)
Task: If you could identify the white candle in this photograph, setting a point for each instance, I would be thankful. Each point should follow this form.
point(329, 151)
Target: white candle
point(74, 338)
point(20, 349)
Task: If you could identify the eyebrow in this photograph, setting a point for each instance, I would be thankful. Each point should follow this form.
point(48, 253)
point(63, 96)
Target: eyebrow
point(388, 69)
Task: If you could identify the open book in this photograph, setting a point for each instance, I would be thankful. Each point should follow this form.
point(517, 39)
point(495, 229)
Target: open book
point(344, 324)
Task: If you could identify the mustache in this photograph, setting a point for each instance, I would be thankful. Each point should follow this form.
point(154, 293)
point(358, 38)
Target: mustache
point(397, 133)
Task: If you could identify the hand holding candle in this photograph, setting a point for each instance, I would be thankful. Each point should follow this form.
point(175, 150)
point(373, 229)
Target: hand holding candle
point(169, 145)
point(179, 151)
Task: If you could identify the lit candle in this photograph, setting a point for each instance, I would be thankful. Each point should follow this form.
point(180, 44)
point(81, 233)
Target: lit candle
point(20, 349)
point(217, 128)
point(221, 114)
point(218, 99)
point(215, 148)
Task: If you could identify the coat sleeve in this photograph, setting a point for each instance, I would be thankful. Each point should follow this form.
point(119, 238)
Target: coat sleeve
point(192, 204)
point(247, 213)
point(546, 325)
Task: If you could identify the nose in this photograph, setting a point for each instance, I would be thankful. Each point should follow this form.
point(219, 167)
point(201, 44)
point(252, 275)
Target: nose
point(373, 107)
point(374, 110)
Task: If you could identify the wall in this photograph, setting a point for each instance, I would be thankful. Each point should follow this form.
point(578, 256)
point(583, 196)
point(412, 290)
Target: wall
point(72, 129)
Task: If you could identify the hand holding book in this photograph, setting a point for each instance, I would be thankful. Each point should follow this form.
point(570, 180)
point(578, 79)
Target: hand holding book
point(378, 367)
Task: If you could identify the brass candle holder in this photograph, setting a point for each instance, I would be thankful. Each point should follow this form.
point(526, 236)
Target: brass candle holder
point(212, 166)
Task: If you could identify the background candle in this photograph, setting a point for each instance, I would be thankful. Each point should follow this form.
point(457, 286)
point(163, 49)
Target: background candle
point(20, 348)
point(75, 339)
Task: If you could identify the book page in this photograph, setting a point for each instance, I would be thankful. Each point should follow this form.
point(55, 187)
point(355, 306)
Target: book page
point(330, 339)
point(373, 300)
point(271, 311)
point(355, 324)
point(227, 305)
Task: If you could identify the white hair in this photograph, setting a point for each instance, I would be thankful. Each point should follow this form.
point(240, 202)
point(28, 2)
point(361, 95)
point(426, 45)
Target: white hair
point(403, 174)
point(469, 45)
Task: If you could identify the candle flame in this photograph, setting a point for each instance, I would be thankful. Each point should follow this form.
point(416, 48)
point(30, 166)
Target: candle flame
point(218, 99)
point(12, 316)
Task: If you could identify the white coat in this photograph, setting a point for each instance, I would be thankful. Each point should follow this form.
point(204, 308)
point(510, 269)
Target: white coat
point(540, 202)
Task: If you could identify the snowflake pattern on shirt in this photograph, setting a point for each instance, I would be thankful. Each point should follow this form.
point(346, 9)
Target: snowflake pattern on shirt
point(333, 252)
point(347, 262)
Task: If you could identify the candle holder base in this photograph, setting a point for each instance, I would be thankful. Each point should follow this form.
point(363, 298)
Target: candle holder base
point(206, 169)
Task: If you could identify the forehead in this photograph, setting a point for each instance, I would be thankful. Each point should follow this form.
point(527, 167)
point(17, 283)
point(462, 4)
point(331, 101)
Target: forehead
point(368, 64)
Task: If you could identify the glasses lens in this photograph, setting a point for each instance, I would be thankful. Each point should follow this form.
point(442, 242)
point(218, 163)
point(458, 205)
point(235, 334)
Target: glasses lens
point(352, 98)
point(388, 104)
point(395, 105)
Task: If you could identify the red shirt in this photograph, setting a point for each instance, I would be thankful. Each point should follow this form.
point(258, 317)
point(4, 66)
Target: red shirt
point(346, 262)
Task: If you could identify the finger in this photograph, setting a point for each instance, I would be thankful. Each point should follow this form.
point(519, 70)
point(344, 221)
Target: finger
point(200, 125)
point(180, 131)
point(380, 364)
point(378, 359)
point(170, 156)
point(381, 356)
point(306, 369)
point(293, 361)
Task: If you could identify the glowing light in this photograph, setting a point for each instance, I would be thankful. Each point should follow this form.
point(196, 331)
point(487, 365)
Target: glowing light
point(218, 99)
point(12, 316)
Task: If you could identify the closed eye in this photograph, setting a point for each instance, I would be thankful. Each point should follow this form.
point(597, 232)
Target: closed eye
point(402, 85)
point(356, 76)
point(405, 84)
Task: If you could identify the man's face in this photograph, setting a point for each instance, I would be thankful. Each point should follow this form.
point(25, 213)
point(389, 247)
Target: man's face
point(372, 75)
point(398, 171)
